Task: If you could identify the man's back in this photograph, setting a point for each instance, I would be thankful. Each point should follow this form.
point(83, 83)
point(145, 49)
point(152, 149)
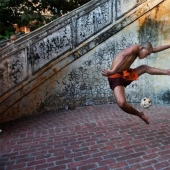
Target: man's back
point(126, 57)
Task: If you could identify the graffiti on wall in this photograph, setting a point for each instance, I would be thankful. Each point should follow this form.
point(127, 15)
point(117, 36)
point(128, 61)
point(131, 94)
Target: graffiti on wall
point(124, 6)
point(13, 70)
point(51, 47)
point(85, 85)
point(93, 21)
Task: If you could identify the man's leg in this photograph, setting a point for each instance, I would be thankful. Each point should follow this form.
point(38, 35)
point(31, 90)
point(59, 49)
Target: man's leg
point(119, 93)
point(151, 70)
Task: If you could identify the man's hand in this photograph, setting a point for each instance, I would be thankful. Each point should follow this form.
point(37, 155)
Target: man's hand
point(107, 72)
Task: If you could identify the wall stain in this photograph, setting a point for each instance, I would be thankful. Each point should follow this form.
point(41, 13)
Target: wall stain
point(166, 97)
point(149, 30)
point(54, 70)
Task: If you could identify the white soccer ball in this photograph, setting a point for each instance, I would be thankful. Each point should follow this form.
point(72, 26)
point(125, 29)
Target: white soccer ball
point(146, 102)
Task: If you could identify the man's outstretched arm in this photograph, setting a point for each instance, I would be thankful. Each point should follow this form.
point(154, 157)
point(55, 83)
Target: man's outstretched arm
point(160, 48)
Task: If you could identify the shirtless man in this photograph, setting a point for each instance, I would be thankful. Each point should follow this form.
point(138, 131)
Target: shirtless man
point(120, 74)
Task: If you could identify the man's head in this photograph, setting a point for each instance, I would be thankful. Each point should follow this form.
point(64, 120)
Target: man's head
point(145, 49)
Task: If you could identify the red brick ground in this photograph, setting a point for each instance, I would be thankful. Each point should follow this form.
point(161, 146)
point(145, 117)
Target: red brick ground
point(88, 138)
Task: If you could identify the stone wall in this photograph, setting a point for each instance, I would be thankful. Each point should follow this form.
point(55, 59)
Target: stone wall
point(59, 66)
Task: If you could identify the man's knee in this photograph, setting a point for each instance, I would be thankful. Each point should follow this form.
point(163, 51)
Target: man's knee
point(122, 104)
point(142, 69)
point(145, 67)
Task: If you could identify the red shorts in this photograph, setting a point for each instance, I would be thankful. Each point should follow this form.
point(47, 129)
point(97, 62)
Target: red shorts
point(122, 79)
point(114, 82)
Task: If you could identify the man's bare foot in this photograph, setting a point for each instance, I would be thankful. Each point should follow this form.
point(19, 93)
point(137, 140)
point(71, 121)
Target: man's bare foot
point(144, 118)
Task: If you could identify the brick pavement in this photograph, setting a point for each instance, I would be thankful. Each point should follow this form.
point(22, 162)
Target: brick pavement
point(98, 137)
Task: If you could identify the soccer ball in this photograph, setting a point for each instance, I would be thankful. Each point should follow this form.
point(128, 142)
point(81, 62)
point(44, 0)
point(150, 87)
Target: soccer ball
point(146, 102)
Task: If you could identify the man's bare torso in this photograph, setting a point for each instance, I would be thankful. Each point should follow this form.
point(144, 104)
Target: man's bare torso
point(130, 54)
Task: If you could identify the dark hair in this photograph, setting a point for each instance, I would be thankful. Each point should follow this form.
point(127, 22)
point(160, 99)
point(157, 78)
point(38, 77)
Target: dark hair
point(147, 45)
